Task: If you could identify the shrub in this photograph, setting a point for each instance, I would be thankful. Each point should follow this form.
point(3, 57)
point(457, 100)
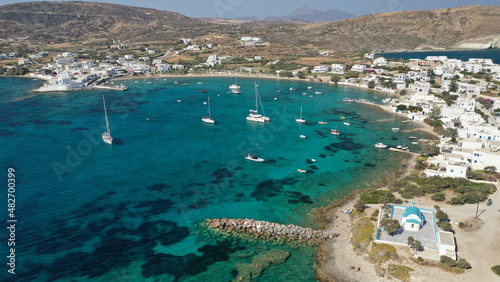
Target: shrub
point(390, 225)
point(359, 206)
point(439, 197)
point(446, 226)
point(462, 263)
point(496, 269)
point(420, 259)
point(375, 213)
point(461, 225)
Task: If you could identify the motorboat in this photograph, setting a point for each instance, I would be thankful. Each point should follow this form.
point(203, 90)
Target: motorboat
point(253, 157)
point(380, 146)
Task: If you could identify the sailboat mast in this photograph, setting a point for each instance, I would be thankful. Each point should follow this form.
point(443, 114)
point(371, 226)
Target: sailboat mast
point(300, 112)
point(105, 113)
point(209, 108)
point(256, 101)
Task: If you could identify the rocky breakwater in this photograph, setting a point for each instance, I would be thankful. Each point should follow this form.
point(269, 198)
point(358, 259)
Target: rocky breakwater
point(267, 231)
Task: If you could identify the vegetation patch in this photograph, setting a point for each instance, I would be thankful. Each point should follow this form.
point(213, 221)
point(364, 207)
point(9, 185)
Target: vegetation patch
point(496, 269)
point(399, 271)
point(373, 196)
point(362, 234)
point(382, 252)
point(465, 191)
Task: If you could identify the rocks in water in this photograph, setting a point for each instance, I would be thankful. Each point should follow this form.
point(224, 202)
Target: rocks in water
point(268, 231)
point(251, 271)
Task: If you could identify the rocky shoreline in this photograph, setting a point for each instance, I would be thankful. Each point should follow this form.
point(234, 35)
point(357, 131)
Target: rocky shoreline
point(267, 231)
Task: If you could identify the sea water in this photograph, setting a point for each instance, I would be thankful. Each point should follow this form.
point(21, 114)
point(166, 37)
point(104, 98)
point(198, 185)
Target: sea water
point(88, 210)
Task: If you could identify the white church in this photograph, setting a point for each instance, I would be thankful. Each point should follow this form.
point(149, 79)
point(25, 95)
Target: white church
point(413, 219)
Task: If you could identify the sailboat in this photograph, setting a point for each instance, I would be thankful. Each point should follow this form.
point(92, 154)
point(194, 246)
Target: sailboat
point(235, 88)
point(335, 131)
point(300, 120)
point(254, 114)
point(106, 136)
point(208, 119)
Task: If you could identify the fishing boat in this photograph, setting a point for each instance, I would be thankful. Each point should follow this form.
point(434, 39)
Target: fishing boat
point(252, 157)
point(106, 136)
point(335, 131)
point(292, 89)
point(322, 122)
point(380, 146)
point(235, 88)
point(254, 114)
point(300, 120)
point(204, 91)
point(208, 119)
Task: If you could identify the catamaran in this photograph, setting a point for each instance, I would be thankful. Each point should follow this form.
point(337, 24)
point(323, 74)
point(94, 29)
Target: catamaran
point(235, 88)
point(106, 136)
point(254, 114)
point(208, 119)
point(300, 120)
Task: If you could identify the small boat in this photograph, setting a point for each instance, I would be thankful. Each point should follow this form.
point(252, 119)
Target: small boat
point(178, 101)
point(399, 147)
point(347, 123)
point(311, 96)
point(106, 136)
point(304, 93)
point(380, 146)
point(300, 120)
point(309, 87)
point(318, 92)
point(335, 131)
point(136, 81)
point(208, 119)
point(275, 98)
point(199, 82)
point(412, 137)
point(185, 84)
point(149, 82)
point(322, 122)
point(164, 79)
point(348, 100)
point(176, 82)
point(301, 170)
point(235, 88)
point(342, 117)
point(313, 160)
point(252, 157)
point(292, 89)
point(414, 143)
point(204, 91)
point(303, 136)
point(395, 129)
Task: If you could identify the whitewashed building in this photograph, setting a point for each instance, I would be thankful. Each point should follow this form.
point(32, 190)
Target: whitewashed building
point(358, 68)
point(320, 69)
point(337, 69)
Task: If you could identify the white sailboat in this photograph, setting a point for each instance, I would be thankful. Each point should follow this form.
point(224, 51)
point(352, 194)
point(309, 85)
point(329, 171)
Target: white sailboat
point(300, 120)
point(208, 119)
point(235, 88)
point(254, 114)
point(106, 136)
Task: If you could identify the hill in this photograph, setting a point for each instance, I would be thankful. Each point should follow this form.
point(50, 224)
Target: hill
point(84, 21)
point(463, 27)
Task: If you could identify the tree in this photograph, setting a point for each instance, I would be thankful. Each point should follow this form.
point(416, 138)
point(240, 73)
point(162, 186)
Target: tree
point(390, 225)
point(411, 241)
point(439, 197)
point(403, 92)
point(360, 206)
point(446, 226)
point(441, 216)
point(371, 84)
point(335, 79)
point(418, 245)
point(490, 168)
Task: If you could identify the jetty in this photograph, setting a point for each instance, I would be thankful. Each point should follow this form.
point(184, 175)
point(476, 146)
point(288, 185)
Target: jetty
point(267, 231)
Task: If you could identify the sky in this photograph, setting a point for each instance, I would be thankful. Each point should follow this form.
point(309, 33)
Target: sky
point(266, 8)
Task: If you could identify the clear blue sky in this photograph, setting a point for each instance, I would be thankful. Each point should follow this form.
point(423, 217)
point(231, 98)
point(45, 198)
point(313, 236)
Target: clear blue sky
point(265, 8)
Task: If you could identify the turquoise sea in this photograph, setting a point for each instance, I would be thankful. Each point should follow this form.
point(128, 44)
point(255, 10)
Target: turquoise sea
point(463, 55)
point(127, 212)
